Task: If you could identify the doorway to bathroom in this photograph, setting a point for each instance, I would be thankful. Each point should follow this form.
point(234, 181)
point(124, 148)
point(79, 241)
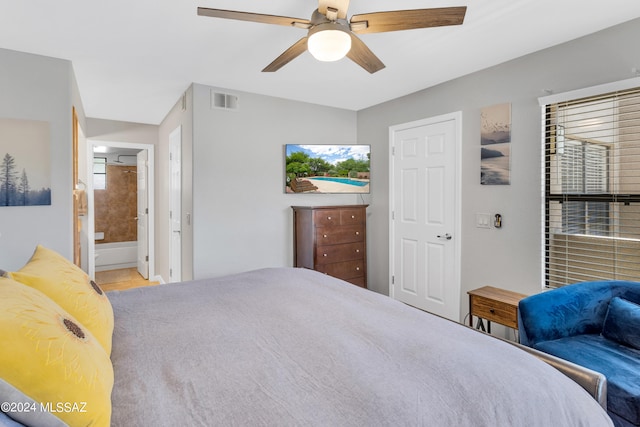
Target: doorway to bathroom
point(120, 201)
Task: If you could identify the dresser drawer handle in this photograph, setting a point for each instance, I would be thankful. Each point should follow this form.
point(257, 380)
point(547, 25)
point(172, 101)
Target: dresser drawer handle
point(324, 235)
point(324, 254)
point(329, 218)
point(353, 217)
point(357, 233)
point(357, 251)
point(357, 268)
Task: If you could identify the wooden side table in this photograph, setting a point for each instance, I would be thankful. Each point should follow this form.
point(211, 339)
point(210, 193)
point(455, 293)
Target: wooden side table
point(494, 305)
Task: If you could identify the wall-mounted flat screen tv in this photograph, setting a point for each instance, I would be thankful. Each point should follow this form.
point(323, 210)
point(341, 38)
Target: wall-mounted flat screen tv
point(325, 168)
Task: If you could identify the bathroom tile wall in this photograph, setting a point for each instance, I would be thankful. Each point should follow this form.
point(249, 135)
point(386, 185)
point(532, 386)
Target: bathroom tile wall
point(116, 207)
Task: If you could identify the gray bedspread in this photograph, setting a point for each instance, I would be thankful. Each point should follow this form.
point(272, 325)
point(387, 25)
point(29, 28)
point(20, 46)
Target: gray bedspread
point(283, 347)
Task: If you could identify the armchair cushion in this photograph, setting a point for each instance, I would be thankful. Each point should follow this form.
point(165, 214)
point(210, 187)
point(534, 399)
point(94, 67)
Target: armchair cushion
point(622, 323)
point(571, 310)
point(619, 363)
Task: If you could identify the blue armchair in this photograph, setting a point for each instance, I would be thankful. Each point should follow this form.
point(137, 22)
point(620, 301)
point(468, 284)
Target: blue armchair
point(595, 325)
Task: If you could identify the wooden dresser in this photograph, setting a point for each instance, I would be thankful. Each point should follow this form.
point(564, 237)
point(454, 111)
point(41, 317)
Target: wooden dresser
point(332, 240)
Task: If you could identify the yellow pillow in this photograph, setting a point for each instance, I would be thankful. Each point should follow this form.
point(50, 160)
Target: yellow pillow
point(46, 354)
point(73, 290)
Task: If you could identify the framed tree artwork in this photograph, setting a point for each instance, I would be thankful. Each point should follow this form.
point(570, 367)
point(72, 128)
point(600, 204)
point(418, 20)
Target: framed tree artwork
point(25, 163)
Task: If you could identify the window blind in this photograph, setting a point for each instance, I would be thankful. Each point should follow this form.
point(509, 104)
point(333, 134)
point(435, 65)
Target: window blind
point(592, 188)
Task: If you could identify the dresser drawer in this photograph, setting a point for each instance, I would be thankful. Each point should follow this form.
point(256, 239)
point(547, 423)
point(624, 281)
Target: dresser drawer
point(343, 270)
point(338, 253)
point(326, 218)
point(358, 281)
point(352, 216)
point(337, 235)
point(494, 311)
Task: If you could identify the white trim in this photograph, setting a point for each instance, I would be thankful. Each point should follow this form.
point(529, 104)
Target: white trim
point(457, 117)
point(543, 195)
point(562, 97)
point(158, 279)
point(91, 249)
point(590, 91)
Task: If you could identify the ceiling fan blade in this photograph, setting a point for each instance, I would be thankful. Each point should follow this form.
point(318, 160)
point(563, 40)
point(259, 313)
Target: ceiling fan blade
point(287, 56)
point(341, 5)
point(254, 17)
point(381, 22)
point(362, 55)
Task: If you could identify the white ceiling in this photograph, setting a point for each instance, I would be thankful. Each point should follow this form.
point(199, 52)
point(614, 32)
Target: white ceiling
point(133, 59)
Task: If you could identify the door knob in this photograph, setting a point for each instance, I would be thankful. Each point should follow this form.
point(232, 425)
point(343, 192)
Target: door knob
point(446, 236)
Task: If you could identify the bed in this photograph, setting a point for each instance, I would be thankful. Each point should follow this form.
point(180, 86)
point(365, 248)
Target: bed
point(277, 346)
point(295, 347)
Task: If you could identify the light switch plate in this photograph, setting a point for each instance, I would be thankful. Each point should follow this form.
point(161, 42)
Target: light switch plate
point(483, 220)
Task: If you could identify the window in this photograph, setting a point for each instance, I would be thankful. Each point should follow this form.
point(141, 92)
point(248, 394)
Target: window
point(99, 173)
point(592, 188)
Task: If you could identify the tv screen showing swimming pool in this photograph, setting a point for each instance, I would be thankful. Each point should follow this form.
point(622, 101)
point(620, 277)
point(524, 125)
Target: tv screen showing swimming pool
point(320, 168)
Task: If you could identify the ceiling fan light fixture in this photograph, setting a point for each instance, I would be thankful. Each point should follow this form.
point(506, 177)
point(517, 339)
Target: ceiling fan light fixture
point(329, 42)
point(331, 35)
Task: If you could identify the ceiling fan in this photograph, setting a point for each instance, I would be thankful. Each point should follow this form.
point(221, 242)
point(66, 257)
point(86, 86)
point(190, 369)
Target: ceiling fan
point(331, 36)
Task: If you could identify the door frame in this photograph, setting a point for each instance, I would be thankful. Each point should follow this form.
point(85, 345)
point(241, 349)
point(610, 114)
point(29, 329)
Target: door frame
point(175, 194)
point(142, 169)
point(77, 258)
point(457, 229)
point(91, 250)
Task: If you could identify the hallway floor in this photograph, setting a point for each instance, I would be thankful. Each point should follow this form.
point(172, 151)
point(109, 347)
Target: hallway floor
point(118, 280)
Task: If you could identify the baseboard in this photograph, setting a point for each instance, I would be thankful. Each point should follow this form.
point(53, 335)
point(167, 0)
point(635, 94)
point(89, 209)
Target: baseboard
point(158, 278)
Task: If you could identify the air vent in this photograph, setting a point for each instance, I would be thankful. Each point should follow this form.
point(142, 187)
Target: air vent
point(224, 101)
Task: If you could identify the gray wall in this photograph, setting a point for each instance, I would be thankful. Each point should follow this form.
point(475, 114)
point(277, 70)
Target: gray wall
point(40, 88)
point(242, 217)
point(510, 257)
